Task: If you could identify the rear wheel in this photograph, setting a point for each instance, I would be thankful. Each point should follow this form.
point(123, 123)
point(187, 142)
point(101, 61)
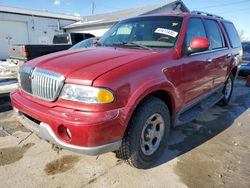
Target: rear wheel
point(227, 91)
point(146, 137)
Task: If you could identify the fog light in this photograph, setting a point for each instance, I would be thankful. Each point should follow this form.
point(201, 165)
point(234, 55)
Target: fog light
point(64, 133)
point(68, 133)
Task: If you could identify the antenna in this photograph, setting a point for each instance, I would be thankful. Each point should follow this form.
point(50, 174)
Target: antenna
point(93, 8)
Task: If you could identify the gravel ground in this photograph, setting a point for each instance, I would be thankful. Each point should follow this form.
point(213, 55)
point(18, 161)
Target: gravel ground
point(211, 151)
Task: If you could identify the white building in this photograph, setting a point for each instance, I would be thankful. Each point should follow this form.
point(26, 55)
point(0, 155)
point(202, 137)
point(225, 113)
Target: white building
point(100, 23)
point(22, 26)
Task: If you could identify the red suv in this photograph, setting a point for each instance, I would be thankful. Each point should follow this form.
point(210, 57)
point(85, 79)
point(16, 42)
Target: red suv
point(144, 76)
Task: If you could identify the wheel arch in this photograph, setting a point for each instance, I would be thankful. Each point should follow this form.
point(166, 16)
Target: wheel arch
point(164, 94)
point(234, 72)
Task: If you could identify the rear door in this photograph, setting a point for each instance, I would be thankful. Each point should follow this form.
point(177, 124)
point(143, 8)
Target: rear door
point(219, 54)
point(195, 74)
point(234, 43)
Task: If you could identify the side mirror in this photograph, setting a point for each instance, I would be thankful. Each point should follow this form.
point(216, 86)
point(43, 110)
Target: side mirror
point(95, 40)
point(198, 44)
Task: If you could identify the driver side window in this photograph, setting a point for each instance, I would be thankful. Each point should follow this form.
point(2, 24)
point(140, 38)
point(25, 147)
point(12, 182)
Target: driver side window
point(195, 29)
point(124, 30)
point(122, 34)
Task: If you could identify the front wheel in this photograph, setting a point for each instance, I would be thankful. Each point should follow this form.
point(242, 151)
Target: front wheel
point(227, 91)
point(146, 137)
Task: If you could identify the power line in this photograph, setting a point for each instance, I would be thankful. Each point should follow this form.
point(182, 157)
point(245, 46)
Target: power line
point(224, 4)
point(237, 10)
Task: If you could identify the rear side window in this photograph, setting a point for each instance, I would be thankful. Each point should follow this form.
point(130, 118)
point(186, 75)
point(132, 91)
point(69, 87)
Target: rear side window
point(195, 29)
point(214, 34)
point(232, 34)
point(61, 39)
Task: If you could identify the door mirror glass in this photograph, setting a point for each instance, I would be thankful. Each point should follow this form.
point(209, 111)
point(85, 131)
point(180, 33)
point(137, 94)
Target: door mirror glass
point(198, 44)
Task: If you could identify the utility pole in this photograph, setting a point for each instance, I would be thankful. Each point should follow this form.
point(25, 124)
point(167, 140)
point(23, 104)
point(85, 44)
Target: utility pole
point(93, 8)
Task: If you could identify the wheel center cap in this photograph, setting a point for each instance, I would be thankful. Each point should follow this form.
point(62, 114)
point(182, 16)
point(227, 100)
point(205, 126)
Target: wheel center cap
point(150, 133)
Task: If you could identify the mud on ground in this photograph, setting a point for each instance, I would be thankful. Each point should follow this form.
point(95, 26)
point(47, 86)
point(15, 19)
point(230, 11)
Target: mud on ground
point(211, 151)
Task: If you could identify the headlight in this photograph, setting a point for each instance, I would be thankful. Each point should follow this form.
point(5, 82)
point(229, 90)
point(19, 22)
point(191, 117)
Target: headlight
point(86, 94)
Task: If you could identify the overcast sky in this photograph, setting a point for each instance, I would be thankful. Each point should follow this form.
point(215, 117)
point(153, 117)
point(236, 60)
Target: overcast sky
point(234, 10)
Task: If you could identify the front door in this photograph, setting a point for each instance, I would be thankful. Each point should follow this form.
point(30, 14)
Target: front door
point(195, 67)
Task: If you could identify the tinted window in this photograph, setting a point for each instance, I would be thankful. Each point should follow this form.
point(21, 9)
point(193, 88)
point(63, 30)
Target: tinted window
point(195, 29)
point(214, 34)
point(246, 48)
point(61, 39)
point(232, 34)
point(75, 38)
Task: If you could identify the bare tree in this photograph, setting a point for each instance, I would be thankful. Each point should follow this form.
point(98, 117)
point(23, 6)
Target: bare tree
point(242, 35)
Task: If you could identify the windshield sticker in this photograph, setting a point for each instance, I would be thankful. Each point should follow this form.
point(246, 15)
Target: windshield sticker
point(175, 24)
point(166, 32)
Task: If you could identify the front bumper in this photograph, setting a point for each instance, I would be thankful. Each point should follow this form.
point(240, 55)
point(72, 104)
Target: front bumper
point(92, 133)
point(44, 131)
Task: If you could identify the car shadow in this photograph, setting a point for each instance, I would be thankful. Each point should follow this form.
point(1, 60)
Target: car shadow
point(184, 138)
point(5, 103)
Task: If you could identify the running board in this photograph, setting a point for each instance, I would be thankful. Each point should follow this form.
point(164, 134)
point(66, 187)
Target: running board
point(192, 111)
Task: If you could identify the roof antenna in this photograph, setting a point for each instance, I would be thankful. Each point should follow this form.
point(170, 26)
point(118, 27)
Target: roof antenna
point(93, 8)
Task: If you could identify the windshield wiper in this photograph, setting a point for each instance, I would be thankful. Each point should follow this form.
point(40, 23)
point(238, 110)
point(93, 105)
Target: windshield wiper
point(131, 43)
point(98, 44)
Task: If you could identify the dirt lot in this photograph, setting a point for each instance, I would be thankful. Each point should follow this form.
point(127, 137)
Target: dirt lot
point(212, 151)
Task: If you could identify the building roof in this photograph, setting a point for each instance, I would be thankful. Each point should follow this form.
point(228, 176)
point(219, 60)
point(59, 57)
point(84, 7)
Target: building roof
point(112, 17)
point(46, 14)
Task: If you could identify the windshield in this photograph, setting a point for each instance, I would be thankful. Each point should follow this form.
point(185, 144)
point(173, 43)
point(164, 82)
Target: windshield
point(84, 44)
point(155, 32)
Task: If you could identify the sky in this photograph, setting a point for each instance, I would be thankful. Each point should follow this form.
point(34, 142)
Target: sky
point(236, 11)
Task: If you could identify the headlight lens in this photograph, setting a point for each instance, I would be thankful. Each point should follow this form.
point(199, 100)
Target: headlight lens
point(86, 94)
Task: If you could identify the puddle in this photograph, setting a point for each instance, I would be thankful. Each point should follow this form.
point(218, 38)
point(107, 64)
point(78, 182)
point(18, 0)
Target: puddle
point(61, 165)
point(13, 154)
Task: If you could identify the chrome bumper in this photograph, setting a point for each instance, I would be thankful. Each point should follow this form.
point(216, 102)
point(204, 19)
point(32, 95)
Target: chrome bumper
point(44, 131)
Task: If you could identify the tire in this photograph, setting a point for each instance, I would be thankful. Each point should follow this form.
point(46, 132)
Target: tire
point(227, 91)
point(151, 118)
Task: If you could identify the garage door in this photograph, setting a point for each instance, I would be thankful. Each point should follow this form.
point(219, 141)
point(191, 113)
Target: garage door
point(12, 32)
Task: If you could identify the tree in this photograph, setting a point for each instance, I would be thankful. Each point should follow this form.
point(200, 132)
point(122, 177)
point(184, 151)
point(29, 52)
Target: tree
point(242, 35)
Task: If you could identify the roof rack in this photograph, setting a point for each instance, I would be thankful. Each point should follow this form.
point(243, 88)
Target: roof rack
point(206, 14)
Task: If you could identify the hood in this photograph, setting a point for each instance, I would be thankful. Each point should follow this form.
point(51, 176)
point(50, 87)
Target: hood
point(84, 65)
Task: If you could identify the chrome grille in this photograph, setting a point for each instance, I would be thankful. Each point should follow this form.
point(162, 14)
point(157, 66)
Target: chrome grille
point(24, 78)
point(44, 84)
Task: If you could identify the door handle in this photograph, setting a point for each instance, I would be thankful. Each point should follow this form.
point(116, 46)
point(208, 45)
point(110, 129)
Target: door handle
point(229, 55)
point(209, 60)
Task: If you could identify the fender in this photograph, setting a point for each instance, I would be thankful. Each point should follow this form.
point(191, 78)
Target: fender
point(144, 90)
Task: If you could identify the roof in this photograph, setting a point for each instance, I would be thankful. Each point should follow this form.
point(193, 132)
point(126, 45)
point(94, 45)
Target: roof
point(112, 17)
point(46, 14)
